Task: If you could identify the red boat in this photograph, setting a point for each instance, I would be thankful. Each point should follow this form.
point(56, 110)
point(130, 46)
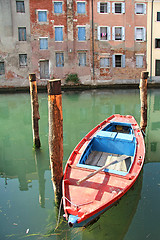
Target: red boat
point(102, 168)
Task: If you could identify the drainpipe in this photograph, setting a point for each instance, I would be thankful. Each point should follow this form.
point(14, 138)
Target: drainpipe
point(93, 45)
point(151, 41)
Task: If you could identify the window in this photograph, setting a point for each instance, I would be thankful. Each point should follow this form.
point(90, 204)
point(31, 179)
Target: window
point(157, 68)
point(118, 60)
point(103, 7)
point(2, 69)
point(139, 61)
point(158, 16)
point(118, 33)
point(157, 43)
point(81, 33)
point(58, 33)
point(140, 8)
point(104, 62)
point(42, 16)
point(22, 33)
point(81, 7)
point(57, 7)
point(43, 43)
point(22, 60)
point(44, 69)
point(104, 33)
point(59, 60)
point(20, 6)
point(82, 59)
point(118, 7)
point(140, 34)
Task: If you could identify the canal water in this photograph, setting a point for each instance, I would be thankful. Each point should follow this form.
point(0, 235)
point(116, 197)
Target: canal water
point(27, 209)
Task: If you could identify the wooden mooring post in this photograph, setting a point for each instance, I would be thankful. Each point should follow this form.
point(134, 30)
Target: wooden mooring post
point(55, 118)
point(143, 98)
point(35, 110)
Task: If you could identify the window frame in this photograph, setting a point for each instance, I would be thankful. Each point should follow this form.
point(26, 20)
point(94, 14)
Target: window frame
point(122, 7)
point(83, 38)
point(84, 62)
point(99, 7)
point(22, 34)
point(61, 57)
point(122, 38)
point(143, 11)
point(122, 60)
point(81, 2)
point(48, 72)
point(143, 34)
point(20, 9)
point(60, 12)
point(24, 55)
point(43, 44)
point(138, 61)
point(56, 37)
point(2, 68)
point(103, 65)
point(157, 42)
point(99, 33)
point(40, 11)
point(158, 18)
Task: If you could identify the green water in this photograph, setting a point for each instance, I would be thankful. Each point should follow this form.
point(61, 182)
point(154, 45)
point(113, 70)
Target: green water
point(27, 209)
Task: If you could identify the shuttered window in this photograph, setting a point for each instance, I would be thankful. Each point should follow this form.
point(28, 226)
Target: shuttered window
point(103, 7)
point(140, 34)
point(57, 7)
point(81, 7)
point(59, 60)
point(118, 33)
point(58, 33)
point(42, 16)
point(118, 7)
point(104, 33)
point(22, 33)
point(22, 60)
point(139, 61)
point(20, 6)
point(118, 60)
point(82, 59)
point(44, 69)
point(2, 69)
point(140, 8)
point(81, 33)
point(43, 42)
point(104, 62)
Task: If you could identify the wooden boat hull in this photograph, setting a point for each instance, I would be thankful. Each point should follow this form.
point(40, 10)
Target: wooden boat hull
point(116, 137)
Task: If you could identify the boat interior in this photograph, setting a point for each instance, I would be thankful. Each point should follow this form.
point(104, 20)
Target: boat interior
point(108, 145)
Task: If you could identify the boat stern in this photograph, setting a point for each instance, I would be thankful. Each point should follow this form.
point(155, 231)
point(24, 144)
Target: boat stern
point(72, 220)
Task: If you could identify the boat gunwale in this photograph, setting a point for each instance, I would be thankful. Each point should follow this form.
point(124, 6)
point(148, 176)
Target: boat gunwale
point(131, 176)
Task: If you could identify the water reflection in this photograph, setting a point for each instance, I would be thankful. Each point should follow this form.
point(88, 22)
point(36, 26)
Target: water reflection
point(25, 182)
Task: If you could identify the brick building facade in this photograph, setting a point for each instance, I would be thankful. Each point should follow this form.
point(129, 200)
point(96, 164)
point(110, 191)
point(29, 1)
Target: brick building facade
point(101, 41)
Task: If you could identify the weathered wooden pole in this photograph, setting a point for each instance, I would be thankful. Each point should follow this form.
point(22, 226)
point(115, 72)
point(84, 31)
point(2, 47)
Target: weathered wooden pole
point(143, 98)
point(35, 110)
point(55, 118)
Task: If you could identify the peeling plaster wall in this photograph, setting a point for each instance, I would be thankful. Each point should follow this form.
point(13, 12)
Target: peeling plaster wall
point(10, 46)
point(129, 47)
point(70, 46)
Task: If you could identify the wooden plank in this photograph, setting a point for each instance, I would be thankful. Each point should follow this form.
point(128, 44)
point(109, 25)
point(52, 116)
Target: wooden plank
point(102, 159)
point(90, 158)
point(99, 159)
point(93, 158)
